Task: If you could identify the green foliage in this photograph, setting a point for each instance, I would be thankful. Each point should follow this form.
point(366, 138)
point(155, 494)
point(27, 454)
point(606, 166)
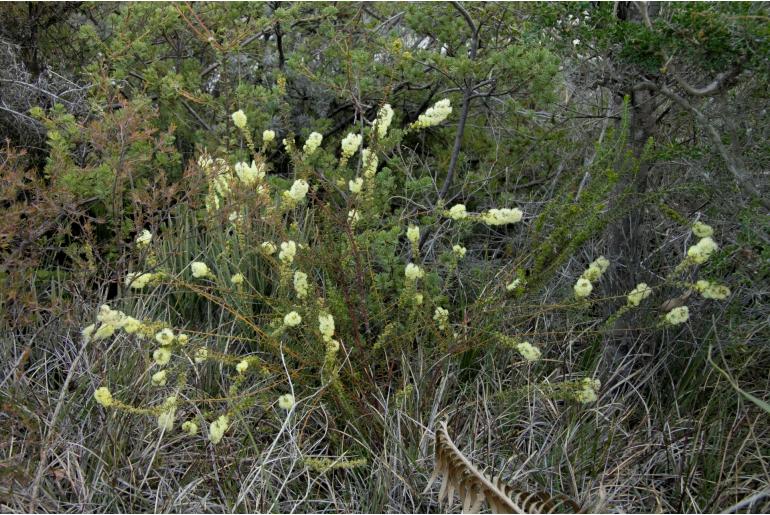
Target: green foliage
point(579, 213)
point(545, 134)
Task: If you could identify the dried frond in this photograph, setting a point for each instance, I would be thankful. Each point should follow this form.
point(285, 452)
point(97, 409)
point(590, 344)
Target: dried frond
point(474, 487)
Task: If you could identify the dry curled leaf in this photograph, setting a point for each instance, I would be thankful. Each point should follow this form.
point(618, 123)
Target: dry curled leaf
point(474, 487)
point(675, 302)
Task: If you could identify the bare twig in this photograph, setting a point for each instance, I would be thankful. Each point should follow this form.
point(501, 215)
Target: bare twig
point(470, 86)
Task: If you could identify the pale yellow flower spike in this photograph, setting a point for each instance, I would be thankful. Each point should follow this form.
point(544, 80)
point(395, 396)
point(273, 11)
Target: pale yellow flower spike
point(702, 230)
point(162, 356)
point(413, 272)
point(199, 270)
point(286, 401)
point(239, 119)
point(583, 288)
point(160, 378)
point(326, 326)
point(458, 212)
point(292, 319)
point(678, 315)
point(638, 294)
point(217, 429)
point(103, 396)
point(191, 428)
point(413, 234)
point(144, 238)
point(528, 351)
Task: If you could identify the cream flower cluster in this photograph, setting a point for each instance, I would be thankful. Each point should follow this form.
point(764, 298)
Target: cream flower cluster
point(332, 347)
point(584, 285)
point(235, 217)
point(191, 428)
point(350, 144)
point(201, 355)
point(459, 251)
point(413, 234)
point(268, 247)
point(711, 290)
point(242, 366)
point(528, 351)
point(144, 238)
point(441, 316)
point(589, 390)
point(292, 319)
point(286, 401)
point(217, 429)
point(413, 272)
point(355, 185)
point(131, 325)
point(250, 174)
point(326, 326)
point(513, 284)
point(384, 119)
point(166, 419)
point(701, 251)
point(596, 269)
point(288, 251)
point(434, 115)
point(678, 315)
point(239, 119)
point(458, 212)
point(268, 136)
point(110, 321)
point(103, 396)
point(159, 378)
point(161, 356)
point(165, 337)
point(237, 279)
point(199, 269)
point(369, 163)
point(219, 173)
point(107, 315)
point(297, 191)
point(702, 230)
point(221, 178)
point(205, 161)
point(312, 143)
point(502, 216)
point(138, 280)
point(583, 288)
point(300, 284)
point(638, 294)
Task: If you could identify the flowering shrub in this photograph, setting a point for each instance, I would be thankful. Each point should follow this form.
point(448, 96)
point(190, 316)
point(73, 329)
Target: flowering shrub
point(319, 277)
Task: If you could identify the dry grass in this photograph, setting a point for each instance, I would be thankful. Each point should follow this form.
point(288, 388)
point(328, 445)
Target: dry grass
point(670, 436)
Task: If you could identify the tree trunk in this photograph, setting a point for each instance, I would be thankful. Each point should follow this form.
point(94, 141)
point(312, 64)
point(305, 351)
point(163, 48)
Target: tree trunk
point(626, 238)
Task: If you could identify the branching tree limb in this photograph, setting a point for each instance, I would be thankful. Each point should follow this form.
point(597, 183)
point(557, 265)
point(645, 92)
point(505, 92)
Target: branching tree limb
point(733, 163)
point(470, 86)
point(720, 81)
